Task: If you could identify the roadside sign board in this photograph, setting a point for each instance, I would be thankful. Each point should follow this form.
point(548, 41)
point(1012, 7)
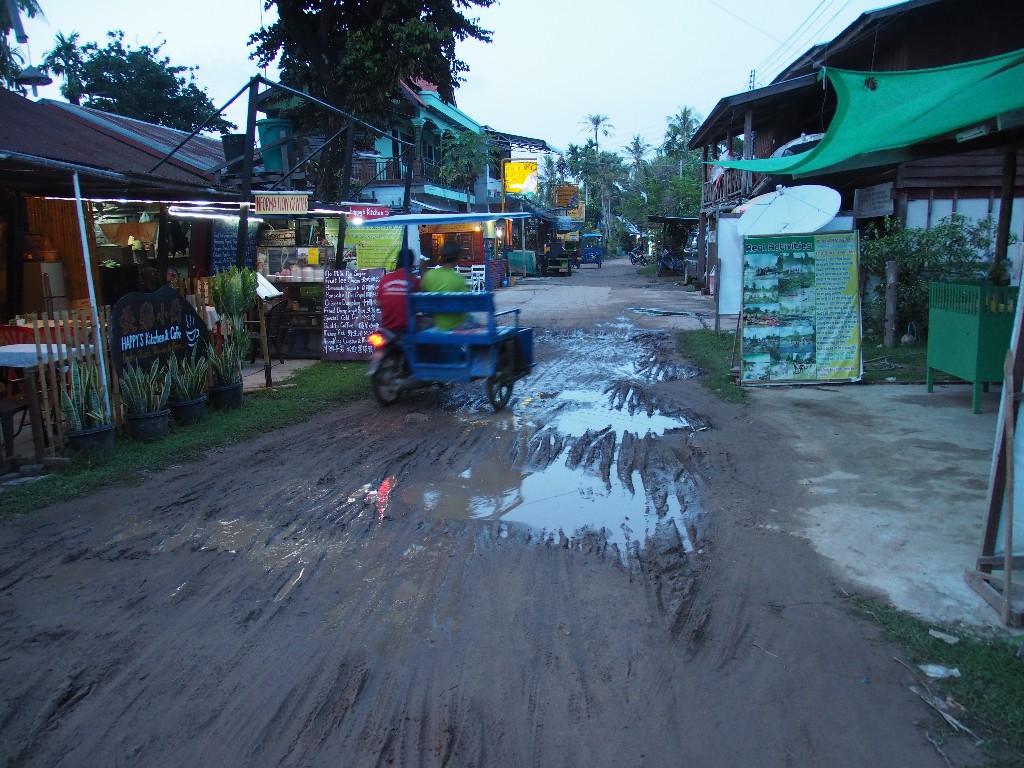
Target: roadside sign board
point(801, 309)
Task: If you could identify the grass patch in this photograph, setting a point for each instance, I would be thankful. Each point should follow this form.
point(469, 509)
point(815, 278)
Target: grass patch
point(307, 392)
point(712, 353)
point(900, 365)
point(990, 688)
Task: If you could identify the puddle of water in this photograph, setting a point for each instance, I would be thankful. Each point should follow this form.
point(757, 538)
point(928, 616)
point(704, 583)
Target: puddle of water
point(597, 378)
point(663, 312)
point(588, 410)
point(551, 500)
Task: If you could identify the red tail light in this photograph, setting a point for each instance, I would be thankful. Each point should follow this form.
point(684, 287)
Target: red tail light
point(377, 340)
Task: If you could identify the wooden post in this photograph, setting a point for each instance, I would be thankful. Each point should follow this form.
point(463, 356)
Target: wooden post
point(891, 275)
point(1009, 422)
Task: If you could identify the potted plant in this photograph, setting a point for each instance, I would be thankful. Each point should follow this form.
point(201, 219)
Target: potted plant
point(87, 410)
point(234, 293)
point(144, 393)
point(188, 386)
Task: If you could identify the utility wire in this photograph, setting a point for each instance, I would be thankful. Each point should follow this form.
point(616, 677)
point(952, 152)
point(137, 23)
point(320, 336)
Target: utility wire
point(791, 42)
point(740, 18)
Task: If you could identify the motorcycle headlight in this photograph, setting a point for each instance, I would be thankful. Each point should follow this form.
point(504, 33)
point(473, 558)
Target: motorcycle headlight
point(377, 340)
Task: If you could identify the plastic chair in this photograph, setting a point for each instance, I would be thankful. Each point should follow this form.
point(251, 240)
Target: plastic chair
point(478, 277)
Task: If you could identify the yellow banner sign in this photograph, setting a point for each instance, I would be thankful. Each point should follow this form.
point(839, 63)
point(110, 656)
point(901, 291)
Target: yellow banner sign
point(374, 248)
point(521, 176)
point(567, 196)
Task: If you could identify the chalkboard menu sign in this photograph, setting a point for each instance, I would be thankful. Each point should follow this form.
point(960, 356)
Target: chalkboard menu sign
point(350, 312)
point(224, 248)
point(145, 327)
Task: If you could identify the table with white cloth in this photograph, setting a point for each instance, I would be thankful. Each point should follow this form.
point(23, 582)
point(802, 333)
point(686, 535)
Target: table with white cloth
point(28, 358)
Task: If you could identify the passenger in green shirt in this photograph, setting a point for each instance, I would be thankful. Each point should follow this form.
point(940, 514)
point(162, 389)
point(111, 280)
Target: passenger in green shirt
point(445, 279)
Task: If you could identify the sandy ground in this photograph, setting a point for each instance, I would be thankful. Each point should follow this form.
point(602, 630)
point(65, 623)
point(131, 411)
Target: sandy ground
point(618, 570)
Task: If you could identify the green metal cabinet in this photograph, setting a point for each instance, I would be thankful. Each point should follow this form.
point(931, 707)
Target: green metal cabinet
point(969, 327)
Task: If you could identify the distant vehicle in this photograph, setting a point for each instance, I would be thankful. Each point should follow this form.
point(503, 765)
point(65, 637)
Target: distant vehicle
point(593, 248)
point(678, 254)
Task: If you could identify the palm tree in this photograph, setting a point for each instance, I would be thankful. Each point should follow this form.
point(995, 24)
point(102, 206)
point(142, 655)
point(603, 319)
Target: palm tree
point(637, 151)
point(681, 127)
point(598, 124)
point(65, 60)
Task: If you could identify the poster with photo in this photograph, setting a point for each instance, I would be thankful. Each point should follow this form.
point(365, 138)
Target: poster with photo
point(801, 309)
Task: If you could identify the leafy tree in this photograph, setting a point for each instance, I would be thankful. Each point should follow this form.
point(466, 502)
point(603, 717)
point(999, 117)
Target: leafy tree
point(67, 60)
point(10, 59)
point(134, 83)
point(956, 248)
point(464, 154)
point(602, 173)
point(354, 56)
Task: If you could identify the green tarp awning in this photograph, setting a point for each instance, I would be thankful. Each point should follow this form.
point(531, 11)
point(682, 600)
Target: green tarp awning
point(880, 115)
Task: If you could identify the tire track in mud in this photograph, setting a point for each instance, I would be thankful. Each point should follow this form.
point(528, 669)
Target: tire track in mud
point(314, 608)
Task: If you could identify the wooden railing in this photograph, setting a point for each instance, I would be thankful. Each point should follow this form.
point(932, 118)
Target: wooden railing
point(61, 338)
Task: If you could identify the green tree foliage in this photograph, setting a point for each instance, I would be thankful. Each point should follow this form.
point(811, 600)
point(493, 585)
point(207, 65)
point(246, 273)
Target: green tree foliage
point(11, 60)
point(133, 82)
point(354, 56)
point(681, 128)
point(550, 174)
point(603, 175)
point(464, 154)
point(956, 248)
point(67, 60)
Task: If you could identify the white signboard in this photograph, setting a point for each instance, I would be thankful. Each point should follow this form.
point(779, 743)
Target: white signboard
point(873, 201)
point(282, 202)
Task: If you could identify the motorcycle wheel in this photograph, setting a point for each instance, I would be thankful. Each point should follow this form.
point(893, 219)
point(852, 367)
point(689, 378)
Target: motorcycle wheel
point(500, 383)
point(499, 390)
point(385, 379)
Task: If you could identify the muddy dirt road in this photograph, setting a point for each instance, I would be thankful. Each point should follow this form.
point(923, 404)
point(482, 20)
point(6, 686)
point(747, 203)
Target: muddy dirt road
point(581, 580)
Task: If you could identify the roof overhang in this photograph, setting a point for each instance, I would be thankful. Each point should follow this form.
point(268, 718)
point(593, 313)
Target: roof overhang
point(729, 113)
point(46, 177)
point(510, 141)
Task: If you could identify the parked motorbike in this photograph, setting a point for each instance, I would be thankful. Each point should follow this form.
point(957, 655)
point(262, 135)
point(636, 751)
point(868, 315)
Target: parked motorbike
point(637, 256)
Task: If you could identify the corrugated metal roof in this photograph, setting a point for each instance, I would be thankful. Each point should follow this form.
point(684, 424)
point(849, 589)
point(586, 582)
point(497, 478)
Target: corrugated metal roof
point(40, 144)
point(201, 152)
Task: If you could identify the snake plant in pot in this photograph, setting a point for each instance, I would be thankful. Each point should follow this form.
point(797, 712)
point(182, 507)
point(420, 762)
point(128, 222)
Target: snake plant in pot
point(188, 386)
point(87, 410)
point(234, 294)
point(144, 392)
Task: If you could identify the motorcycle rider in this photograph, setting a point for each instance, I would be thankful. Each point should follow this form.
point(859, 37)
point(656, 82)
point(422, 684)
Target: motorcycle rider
point(445, 279)
point(392, 291)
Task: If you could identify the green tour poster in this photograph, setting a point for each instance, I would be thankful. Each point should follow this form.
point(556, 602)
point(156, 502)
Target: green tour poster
point(801, 309)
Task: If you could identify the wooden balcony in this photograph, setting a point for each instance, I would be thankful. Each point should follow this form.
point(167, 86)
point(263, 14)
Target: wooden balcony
point(389, 170)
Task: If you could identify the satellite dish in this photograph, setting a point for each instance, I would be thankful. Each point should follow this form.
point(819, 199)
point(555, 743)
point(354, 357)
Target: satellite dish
point(759, 200)
point(789, 210)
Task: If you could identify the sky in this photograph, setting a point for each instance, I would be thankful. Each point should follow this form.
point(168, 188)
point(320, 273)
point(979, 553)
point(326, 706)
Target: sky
point(551, 62)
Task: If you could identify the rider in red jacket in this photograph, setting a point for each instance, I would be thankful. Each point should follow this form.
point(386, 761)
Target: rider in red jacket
point(392, 292)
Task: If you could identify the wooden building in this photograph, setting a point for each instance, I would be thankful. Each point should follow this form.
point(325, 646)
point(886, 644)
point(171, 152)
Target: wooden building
point(792, 113)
